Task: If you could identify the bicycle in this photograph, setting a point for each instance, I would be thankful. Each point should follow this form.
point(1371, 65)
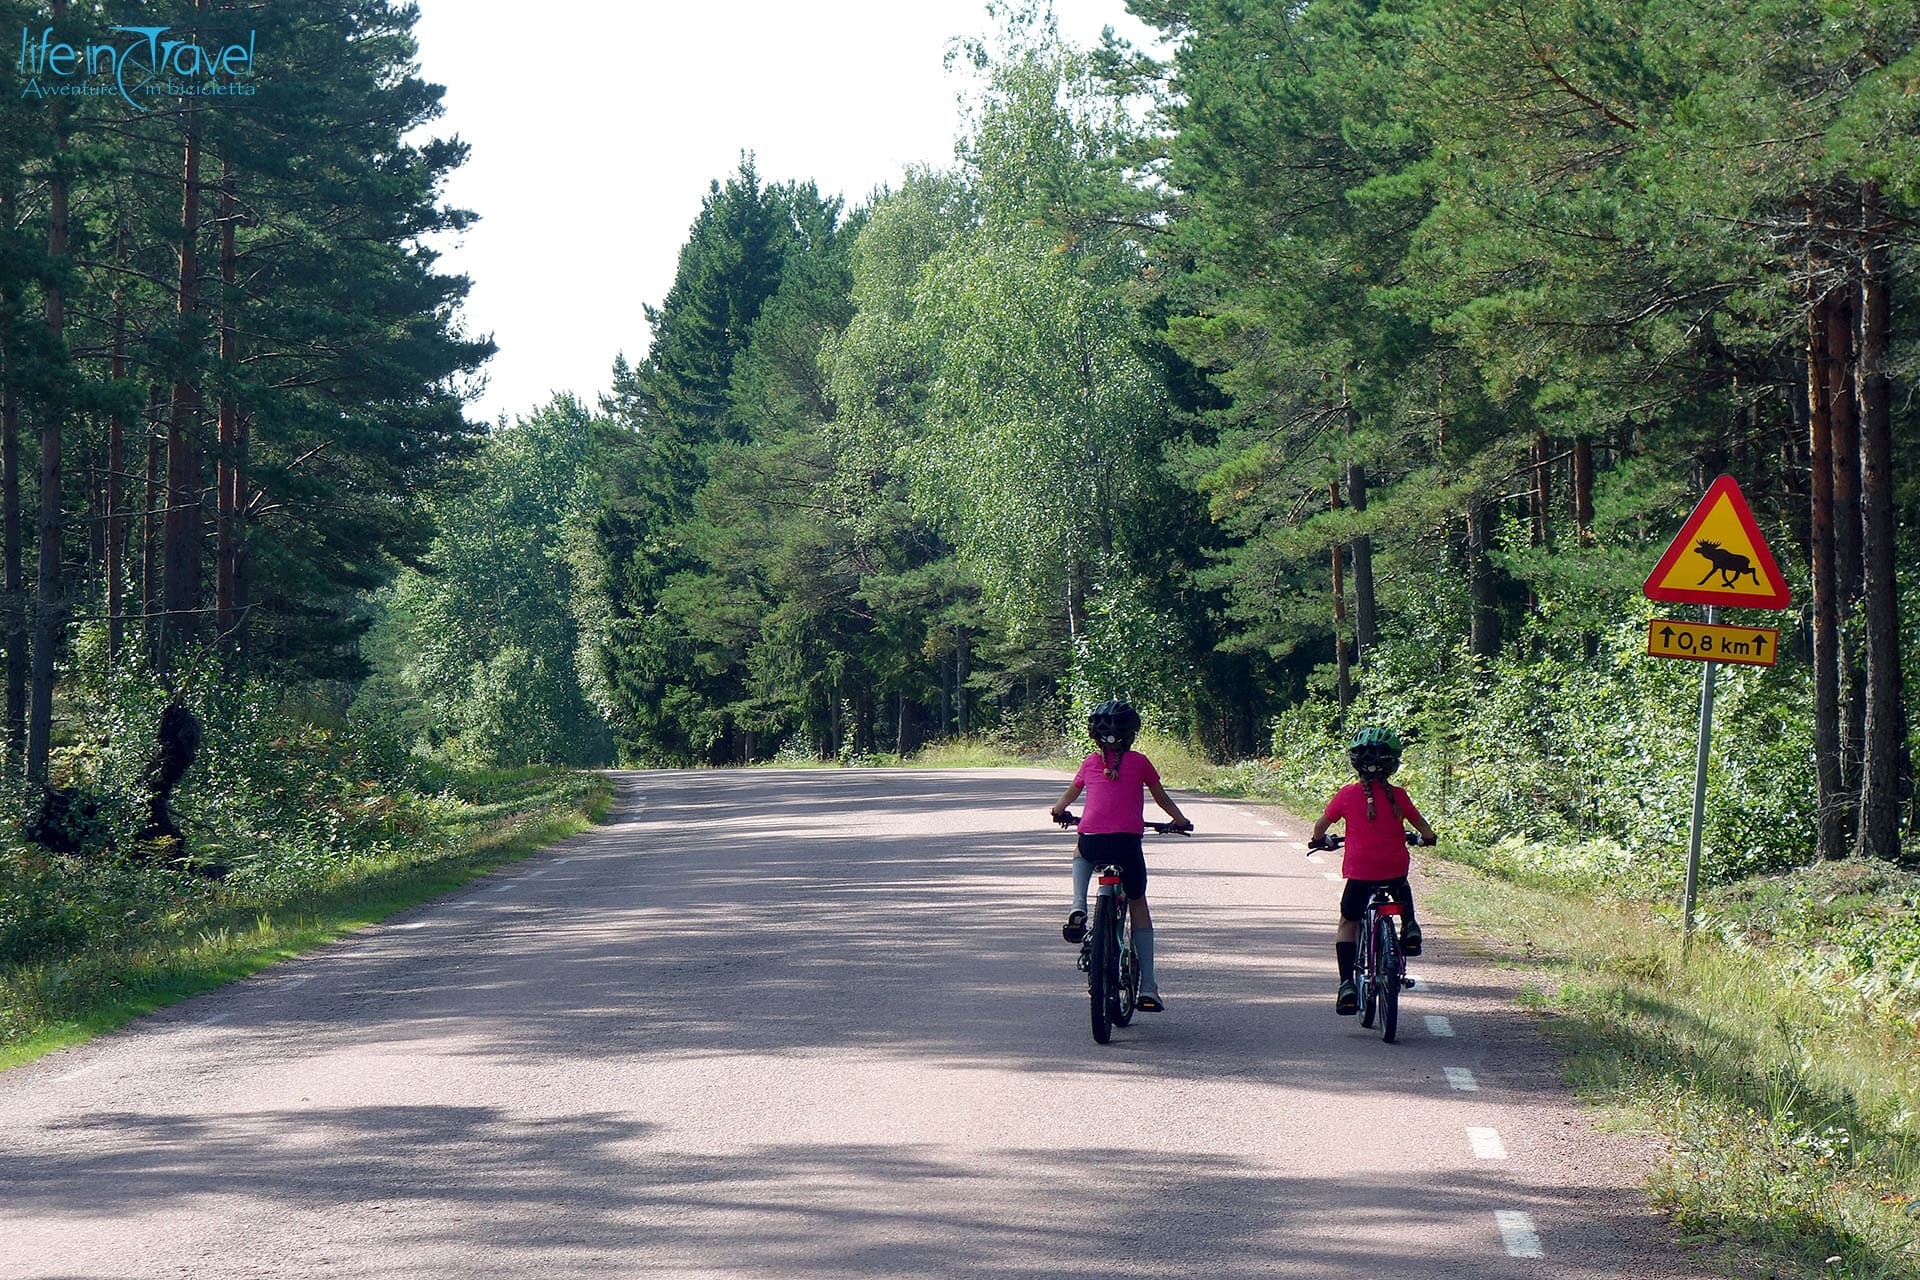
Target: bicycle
point(1106, 954)
point(1380, 968)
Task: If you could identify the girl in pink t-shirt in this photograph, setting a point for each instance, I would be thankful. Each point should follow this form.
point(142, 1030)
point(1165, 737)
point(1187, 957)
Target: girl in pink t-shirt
point(1376, 850)
point(1115, 779)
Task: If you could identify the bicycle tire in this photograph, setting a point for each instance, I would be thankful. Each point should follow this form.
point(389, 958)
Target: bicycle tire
point(1104, 970)
point(1389, 967)
point(1366, 976)
point(1126, 997)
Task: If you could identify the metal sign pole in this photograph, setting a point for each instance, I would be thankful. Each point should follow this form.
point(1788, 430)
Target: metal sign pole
point(1699, 796)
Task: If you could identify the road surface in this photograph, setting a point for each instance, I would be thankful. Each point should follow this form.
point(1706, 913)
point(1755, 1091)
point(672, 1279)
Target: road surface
point(821, 1024)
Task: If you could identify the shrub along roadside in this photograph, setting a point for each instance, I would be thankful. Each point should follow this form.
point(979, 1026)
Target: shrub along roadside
point(86, 946)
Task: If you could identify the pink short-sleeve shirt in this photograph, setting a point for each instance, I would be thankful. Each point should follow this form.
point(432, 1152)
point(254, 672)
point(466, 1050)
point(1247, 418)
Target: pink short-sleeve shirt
point(1116, 805)
point(1377, 849)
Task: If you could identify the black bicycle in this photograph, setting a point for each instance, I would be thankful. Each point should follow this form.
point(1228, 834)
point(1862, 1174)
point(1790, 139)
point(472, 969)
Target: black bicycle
point(1380, 968)
point(1106, 954)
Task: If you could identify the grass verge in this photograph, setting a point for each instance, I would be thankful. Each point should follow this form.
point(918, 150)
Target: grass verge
point(199, 943)
point(1788, 1115)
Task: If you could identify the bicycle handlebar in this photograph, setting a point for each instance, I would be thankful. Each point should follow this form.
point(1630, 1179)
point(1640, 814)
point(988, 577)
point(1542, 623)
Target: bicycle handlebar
point(1161, 828)
point(1333, 840)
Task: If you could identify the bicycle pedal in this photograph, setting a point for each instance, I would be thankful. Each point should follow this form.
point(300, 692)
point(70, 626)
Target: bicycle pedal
point(1406, 982)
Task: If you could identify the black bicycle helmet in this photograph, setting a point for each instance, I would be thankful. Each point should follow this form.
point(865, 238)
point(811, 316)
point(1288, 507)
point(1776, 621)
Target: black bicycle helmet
point(1113, 725)
point(1375, 752)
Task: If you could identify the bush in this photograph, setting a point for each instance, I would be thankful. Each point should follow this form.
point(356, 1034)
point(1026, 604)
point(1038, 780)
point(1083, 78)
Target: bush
point(1548, 767)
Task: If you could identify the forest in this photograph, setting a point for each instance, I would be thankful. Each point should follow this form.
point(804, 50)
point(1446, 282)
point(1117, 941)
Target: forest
point(1351, 360)
point(1345, 360)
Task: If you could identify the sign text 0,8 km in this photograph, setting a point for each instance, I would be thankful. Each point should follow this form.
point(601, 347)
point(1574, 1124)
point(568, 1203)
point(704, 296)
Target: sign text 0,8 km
point(1703, 642)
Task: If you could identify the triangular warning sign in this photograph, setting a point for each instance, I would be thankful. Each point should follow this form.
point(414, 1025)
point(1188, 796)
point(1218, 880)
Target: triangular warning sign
point(1719, 557)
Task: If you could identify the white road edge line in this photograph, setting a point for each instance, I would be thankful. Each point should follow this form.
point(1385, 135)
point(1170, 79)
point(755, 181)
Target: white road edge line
point(1486, 1143)
point(1517, 1233)
point(1462, 1079)
point(1331, 875)
point(414, 924)
point(1437, 1024)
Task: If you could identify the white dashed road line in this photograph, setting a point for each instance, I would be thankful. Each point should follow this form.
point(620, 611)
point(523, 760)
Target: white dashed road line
point(1436, 1024)
point(1517, 1233)
point(1317, 859)
point(1331, 875)
point(1462, 1079)
point(1486, 1144)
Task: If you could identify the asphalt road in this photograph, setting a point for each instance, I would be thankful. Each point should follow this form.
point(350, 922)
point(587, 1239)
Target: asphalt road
point(822, 1024)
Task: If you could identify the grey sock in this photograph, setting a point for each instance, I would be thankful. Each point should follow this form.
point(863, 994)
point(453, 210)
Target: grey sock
point(1082, 877)
point(1143, 947)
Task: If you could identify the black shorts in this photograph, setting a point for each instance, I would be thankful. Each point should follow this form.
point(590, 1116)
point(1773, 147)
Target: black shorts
point(1122, 850)
point(1353, 899)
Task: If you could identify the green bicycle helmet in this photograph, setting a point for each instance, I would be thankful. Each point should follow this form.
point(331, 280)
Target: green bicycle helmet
point(1375, 752)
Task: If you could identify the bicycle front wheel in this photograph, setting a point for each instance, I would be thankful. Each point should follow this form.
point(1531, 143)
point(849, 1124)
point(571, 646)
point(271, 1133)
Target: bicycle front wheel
point(1388, 967)
point(1103, 976)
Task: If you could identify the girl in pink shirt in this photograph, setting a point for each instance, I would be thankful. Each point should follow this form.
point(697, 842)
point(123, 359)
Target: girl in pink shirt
point(1376, 849)
point(1115, 779)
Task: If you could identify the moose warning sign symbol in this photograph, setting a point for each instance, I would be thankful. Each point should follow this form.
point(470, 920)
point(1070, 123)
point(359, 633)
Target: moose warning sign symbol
point(1719, 557)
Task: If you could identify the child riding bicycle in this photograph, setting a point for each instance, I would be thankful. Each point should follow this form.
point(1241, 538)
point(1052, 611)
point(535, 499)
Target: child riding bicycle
point(1376, 849)
point(1111, 825)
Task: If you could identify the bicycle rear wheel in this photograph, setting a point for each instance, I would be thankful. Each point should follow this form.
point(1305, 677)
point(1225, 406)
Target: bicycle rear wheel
point(1103, 976)
point(1126, 996)
point(1388, 968)
point(1368, 976)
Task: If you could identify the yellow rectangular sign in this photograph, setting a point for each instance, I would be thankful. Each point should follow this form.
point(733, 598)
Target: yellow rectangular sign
point(1704, 642)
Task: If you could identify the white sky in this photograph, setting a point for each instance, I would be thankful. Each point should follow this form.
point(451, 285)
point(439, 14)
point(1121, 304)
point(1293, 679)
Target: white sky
point(596, 126)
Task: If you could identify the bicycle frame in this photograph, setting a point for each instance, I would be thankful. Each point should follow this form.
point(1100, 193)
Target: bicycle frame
point(1113, 981)
point(1107, 955)
point(1380, 966)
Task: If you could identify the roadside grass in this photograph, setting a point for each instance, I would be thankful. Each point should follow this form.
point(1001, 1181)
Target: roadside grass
point(180, 947)
point(1789, 1113)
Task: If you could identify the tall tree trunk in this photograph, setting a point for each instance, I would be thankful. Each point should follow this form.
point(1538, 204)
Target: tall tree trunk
point(1583, 488)
point(151, 570)
point(228, 483)
point(1842, 408)
point(15, 621)
point(1542, 491)
point(1365, 616)
point(48, 610)
point(1343, 675)
point(1833, 802)
point(962, 672)
point(1884, 762)
point(180, 530)
point(1483, 639)
point(116, 467)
